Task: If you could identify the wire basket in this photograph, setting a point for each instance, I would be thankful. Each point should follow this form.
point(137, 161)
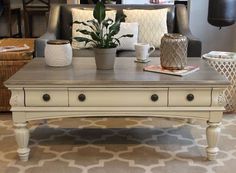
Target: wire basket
point(225, 64)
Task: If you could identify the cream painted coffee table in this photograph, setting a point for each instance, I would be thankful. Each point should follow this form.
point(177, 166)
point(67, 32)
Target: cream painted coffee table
point(79, 90)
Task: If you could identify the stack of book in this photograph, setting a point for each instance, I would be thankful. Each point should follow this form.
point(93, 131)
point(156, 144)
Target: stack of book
point(13, 48)
point(162, 1)
point(158, 69)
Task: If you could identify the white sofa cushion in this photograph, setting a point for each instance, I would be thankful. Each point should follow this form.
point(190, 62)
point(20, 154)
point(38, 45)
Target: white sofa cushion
point(127, 43)
point(152, 24)
point(83, 15)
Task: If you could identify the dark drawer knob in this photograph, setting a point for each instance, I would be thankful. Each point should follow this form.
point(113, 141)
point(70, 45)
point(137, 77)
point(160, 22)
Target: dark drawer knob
point(190, 97)
point(81, 97)
point(154, 97)
point(46, 97)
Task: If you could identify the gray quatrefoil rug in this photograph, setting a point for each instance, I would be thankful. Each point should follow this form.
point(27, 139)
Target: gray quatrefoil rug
point(118, 145)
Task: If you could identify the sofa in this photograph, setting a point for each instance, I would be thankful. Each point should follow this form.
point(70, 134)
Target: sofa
point(60, 27)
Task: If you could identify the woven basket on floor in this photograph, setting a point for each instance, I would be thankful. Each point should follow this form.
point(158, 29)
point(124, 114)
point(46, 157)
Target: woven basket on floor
point(10, 63)
point(226, 67)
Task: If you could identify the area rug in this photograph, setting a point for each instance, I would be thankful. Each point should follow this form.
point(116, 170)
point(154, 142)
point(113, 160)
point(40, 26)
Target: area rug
point(118, 145)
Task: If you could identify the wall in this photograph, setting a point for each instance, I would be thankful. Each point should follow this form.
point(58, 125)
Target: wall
point(211, 37)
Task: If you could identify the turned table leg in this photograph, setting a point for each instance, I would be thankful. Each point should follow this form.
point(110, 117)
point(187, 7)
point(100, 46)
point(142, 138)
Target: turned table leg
point(212, 133)
point(22, 139)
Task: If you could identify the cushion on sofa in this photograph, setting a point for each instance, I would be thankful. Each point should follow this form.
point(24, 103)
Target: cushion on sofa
point(127, 43)
point(83, 15)
point(152, 24)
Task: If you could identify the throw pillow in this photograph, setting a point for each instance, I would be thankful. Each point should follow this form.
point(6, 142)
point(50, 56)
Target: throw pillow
point(152, 24)
point(83, 15)
point(127, 43)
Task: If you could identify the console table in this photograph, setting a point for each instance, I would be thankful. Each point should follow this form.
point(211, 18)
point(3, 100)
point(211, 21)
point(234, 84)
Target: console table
point(79, 90)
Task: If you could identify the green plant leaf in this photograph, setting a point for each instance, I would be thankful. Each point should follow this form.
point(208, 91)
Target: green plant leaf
point(120, 17)
point(99, 12)
point(107, 22)
point(126, 35)
point(114, 28)
point(112, 45)
point(94, 23)
point(78, 22)
point(95, 36)
point(85, 32)
point(117, 40)
point(83, 39)
point(85, 24)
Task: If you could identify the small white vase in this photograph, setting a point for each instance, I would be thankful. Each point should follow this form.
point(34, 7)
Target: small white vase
point(58, 53)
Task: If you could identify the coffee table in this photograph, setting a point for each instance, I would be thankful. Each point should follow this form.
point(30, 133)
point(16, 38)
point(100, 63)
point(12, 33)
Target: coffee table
point(79, 90)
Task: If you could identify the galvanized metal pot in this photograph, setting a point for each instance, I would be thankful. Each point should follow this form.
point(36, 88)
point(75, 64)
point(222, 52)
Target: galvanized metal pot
point(173, 51)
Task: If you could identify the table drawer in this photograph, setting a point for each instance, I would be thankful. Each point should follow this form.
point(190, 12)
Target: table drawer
point(46, 97)
point(118, 97)
point(189, 97)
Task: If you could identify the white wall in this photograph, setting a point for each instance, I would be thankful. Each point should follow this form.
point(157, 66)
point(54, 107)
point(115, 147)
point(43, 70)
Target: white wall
point(211, 37)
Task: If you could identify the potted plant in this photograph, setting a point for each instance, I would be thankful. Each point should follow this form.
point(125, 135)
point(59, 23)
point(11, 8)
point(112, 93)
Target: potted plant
point(102, 36)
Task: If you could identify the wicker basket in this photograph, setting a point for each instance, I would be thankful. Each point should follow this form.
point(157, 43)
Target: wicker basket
point(7, 69)
point(226, 65)
point(10, 63)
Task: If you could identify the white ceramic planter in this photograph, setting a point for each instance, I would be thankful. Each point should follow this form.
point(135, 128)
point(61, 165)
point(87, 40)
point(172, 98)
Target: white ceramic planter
point(105, 58)
point(58, 53)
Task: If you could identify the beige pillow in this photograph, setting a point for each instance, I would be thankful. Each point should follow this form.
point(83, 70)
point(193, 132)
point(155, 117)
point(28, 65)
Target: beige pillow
point(83, 15)
point(152, 24)
point(127, 43)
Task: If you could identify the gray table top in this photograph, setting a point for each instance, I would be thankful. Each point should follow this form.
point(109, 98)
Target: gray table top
point(126, 72)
